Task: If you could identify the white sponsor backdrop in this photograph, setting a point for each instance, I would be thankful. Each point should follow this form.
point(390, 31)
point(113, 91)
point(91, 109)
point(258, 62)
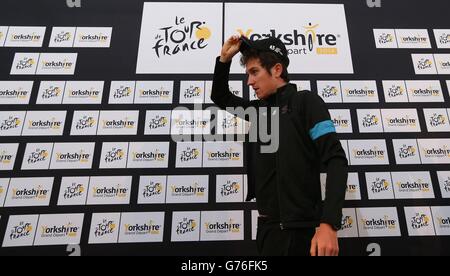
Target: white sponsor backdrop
point(87, 112)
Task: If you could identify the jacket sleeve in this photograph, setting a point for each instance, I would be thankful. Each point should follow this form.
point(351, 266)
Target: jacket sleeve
point(221, 94)
point(323, 134)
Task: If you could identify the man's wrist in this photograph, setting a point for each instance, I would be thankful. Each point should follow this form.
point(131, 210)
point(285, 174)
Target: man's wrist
point(224, 59)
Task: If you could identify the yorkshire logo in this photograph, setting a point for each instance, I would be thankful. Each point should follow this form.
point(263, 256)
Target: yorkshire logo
point(114, 155)
point(379, 185)
point(379, 224)
point(57, 65)
point(395, 91)
point(424, 64)
point(25, 63)
point(443, 152)
point(62, 37)
point(54, 231)
point(122, 92)
point(25, 38)
point(51, 92)
point(385, 38)
point(192, 190)
point(180, 123)
point(88, 93)
point(373, 153)
point(23, 229)
point(149, 156)
point(80, 157)
point(14, 94)
point(303, 42)
point(407, 151)
point(347, 223)
point(230, 188)
point(370, 120)
point(329, 91)
point(5, 158)
point(222, 228)
point(229, 155)
point(189, 154)
point(160, 93)
point(427, 92)
point(401, 122)
point(152, 189)
point(85, 122)
point(414, 39)
point(437, 120)
point(186, 226)
point(420, 221)
point(364, 92)
point(416, 186)
point(192, 92)
point(445, 65)
point(93, 38)
point(340, 122)
point(37, 156)
point(158, 122)
point(182, 36)
point(73, 191)
point(10, 123)
point(104, 228)
point(443, 222)
point(444, 38)
point(42, 125)
point(30, 194)
point(110, 192)
point(149, 228)
point(119, 124)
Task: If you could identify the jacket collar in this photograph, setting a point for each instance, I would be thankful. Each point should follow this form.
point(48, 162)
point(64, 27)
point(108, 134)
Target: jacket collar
point(282, 94)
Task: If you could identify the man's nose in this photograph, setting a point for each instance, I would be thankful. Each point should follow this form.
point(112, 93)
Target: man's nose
point(250, 81)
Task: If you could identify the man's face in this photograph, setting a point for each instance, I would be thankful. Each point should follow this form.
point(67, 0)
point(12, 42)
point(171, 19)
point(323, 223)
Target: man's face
point(260, 80)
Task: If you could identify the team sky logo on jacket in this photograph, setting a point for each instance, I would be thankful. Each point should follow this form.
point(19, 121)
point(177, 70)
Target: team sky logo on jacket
point(22, 230)
point(122, 92)
point(119, 124)
point(33, 37)
point(340, 122)
point(37, 193)
point(18, 93)
point(73, 157)
point(62, 37)
point(193, 92)
point(106, 227)
point(395, 91)
point(401, 122)
point(110, 192)
point(229, 226)
point(85, 122)
point(189, 154)
point(443, 152)
point(25, 63)
point(160, 93)
point(185, 191)
point(424, 64)
point(385, 38)
point(186, 226)
point(437, 120)
point(74, 190)
point(363, 92)
point(427, 92)
point(374, 153)
point(149, 156)
point(38, 156)
point(420, 221)
point(5, 158)
point(416, 186)
point(379, 185)
point(229, 155)
point(114, 155)
point(54, 231)
point(51, 92)
point(52, 124)
point(149, 228)
point(230, 188)
point(306, 41)
point(10, 123)
point(87, 93)
point(370, 120)
point(158, 122)
point(152, 189)
point(182, 36)
point(347, 222)
point(384, 223)
point(57, 65)
point(407, 151)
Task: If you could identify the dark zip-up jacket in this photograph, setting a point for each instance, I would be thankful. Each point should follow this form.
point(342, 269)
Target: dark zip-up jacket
point(287, 183)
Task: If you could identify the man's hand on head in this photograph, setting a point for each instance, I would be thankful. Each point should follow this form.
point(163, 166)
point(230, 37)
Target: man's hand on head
point(230, 48)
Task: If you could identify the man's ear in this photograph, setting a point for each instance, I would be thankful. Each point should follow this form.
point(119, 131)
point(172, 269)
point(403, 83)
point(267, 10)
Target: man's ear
point(277, 70)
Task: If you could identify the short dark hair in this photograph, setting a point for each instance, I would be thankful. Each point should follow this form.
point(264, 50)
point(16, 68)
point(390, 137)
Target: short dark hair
point(267, 59)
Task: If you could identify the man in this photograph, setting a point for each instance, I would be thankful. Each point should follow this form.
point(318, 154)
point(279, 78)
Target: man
point(293, 220)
